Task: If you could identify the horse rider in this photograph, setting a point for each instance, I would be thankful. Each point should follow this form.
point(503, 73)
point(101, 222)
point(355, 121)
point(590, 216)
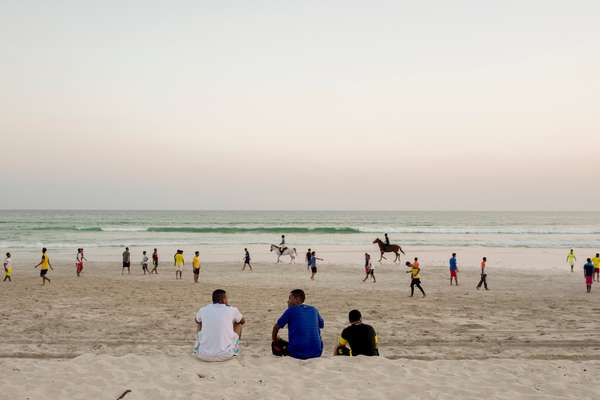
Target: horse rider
point(282, 245)
point(387, 239)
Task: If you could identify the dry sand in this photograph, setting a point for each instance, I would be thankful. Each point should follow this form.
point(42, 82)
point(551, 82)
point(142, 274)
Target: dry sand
point(533, 335)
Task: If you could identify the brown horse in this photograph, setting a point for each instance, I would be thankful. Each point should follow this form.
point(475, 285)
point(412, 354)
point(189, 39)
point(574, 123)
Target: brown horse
point(388, 248)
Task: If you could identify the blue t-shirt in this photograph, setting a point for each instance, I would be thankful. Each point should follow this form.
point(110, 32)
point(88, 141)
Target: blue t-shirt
point(304, 324)
point(588, 269)
point(453, 264)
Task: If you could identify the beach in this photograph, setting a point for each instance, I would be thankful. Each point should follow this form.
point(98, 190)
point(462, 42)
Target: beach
point(533, 335)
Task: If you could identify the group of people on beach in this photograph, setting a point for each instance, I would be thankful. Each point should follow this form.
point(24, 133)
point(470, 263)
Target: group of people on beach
point(591, 268)
point(219, 331)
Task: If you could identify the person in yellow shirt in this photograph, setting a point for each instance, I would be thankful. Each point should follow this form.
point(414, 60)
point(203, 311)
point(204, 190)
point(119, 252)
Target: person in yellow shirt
point(196, 266)
point(44, 264)
point(571, 259)
point(596, 262)
point(179, 263)
point(415, 274)
point(8, 268)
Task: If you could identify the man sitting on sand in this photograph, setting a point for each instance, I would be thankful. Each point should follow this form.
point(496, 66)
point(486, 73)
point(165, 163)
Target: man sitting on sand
point(358, 339)
point(219, 329)
point(304, 329)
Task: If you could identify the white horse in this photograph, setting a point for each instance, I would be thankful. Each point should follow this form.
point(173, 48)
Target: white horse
point(287, 252)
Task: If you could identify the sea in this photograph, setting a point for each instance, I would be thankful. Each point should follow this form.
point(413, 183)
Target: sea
point(30, 230)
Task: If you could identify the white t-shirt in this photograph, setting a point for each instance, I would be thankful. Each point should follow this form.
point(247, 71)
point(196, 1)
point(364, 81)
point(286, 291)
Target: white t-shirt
point(217, 341)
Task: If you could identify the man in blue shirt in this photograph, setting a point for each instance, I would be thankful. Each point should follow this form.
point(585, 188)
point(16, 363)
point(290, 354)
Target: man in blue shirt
point(453, 269)
point(588, 272)
point(304, 328)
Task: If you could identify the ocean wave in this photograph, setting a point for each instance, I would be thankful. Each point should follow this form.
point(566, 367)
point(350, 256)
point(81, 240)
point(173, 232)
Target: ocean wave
point(260, 229)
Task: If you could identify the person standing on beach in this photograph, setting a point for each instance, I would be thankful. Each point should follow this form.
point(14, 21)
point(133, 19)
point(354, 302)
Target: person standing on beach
point(304, 329)
point(571, 259)
point(179, 262)
point(126, 261)
point(453, 269)
point(79, 259)
point(596, 262)
point(308, 256)
point(44, 264)
point(483, 280)
point(313, 265)
point(145, 260)
point(415, 274)
point(369, 269)
point(8, 268)
point(154, 262)
point(246, 260)
point(219, 329)
point(588, 272)
point(196, 266)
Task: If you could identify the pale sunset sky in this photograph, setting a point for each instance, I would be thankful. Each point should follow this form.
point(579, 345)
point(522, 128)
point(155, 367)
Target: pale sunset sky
point(392, 105)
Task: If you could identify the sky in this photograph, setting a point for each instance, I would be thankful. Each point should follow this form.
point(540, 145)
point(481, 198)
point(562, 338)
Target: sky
point(378, 105)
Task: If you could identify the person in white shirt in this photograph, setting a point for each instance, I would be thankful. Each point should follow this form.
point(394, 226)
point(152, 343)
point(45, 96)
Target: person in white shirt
point(219, 329)
point(145, 262)
point(8, 268)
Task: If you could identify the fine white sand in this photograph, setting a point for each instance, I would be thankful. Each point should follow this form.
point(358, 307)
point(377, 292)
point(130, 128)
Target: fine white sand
point(533, 335)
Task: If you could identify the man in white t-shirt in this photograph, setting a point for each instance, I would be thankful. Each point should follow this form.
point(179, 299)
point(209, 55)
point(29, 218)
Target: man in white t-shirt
point(219, 329)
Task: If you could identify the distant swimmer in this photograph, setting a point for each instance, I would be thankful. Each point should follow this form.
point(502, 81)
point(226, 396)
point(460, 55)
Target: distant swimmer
point(453, 269)
point(8, 268)
point(246, 260)
point(571, 259)
point(196, 266)
point(415, 275)
point(596, 262)
point(154, 262)
point(483, 280)
point(145, 260)
point(126, 261)
point(178, 262)
point(369, 269)
point(44, 265)
point(79, 259)
point(588, 272)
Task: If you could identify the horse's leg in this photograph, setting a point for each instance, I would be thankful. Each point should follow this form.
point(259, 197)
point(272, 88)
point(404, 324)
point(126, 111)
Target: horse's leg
point(397, 256)
point(278, 256)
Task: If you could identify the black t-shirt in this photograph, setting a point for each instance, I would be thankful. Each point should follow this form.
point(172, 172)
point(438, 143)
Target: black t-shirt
point(362, 339)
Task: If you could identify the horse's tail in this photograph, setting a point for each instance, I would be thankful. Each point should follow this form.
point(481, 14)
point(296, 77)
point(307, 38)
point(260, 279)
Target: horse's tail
point(295, 252)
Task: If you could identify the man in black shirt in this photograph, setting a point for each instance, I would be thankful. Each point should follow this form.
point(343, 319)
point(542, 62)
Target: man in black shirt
point(358, 339)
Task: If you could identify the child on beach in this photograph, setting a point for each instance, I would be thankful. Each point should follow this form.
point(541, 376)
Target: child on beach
point(8, 268)
point(483, 280)
point(44, 264)
point(154, 262)
point(369, 269)
point(571, 259)
point(588, 272)
point(145, 262)
point(246, 260)
point(313, 265)
point(79, 259)
point(596, 262)
point(415, 274)
point(179, 262)
point(453, 269)
point(196, 266)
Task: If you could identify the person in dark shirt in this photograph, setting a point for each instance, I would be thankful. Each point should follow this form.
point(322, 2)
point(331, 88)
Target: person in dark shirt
point(358, 339)
point(308, 256)
point(386, 239)
point(282, 245)
point(588, 272)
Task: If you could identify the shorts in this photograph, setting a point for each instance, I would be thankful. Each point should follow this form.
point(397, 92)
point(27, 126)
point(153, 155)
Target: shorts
point(597, 269)
point(589, 280)
point(179, 268)
point(313, 269)
point(43, 272)
point(196, 271)
point(247, 261)
point(452, 274)
point(126, 264)
point(79, 266)
point(155, 262)
point(8, 272)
